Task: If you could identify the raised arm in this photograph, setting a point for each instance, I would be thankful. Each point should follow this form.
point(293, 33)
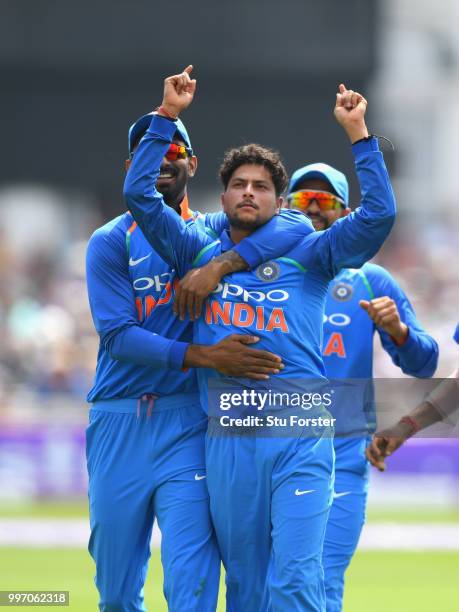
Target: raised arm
point(353, 240)
point(176, 242)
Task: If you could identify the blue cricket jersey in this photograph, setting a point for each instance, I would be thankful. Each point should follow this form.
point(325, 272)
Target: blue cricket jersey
point(131, 291)
point(281, 301)
point(348, 330)
point(348, 346)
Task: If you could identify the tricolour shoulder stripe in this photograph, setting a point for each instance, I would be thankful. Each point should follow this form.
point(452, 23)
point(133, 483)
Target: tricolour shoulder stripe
point(129, 234)
point(366, 282)
point(294, 262)
point(203, 251)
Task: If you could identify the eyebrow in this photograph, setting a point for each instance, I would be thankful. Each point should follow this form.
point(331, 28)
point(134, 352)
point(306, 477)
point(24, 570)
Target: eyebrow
point(241, 179)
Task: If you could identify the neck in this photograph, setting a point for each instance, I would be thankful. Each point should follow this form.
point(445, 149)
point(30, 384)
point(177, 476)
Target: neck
point(237, 234)
point(176, 202)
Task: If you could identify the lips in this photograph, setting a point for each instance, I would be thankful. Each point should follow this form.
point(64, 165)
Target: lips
point(247, 205)
point(166, 173)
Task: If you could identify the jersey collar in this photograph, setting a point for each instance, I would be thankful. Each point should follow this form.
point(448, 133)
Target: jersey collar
point(226, 242)
point(186, 212)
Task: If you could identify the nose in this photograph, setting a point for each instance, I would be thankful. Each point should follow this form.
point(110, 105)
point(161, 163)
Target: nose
point(313, 208)
point(248, 190)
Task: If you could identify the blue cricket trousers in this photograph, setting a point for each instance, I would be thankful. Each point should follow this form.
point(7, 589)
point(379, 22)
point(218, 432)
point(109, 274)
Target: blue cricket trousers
point(270, 498)
point(347, 515)
point(146, 461)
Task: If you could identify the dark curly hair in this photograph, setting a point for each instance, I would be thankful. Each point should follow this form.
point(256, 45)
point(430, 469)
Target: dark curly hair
point(257, 155)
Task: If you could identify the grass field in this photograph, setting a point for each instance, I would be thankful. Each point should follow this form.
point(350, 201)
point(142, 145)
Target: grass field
point(377, 581)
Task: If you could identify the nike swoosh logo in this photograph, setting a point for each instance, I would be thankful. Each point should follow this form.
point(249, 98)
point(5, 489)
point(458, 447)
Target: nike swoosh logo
point(298, 492)
point(335, 495)
point(134, 262)
point(197, 477)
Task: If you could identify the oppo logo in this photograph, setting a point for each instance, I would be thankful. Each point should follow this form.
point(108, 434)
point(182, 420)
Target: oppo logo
point(338, 318)
point(229, 290)
point(146, 282)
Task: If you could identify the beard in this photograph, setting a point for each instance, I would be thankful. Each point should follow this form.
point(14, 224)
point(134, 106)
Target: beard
point(243, 224)
point(319, 222)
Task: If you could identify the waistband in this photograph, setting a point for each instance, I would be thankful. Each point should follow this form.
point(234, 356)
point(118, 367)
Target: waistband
point(148, 402)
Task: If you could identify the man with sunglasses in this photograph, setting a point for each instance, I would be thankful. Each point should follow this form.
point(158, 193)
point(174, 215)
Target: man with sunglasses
point(359, 303)
point(145, 439)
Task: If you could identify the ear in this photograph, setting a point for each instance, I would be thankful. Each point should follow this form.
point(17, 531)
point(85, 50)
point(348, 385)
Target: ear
point(192, 165)
point(222, 200)
point(127, 163)
point(346, 211)
point(279, 204)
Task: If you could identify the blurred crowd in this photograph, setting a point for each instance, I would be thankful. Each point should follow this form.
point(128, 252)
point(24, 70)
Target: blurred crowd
point(49, 346)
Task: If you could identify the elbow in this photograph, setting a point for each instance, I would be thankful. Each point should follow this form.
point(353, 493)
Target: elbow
point(113, 344)
point(386, 223)
point(391, 221)
point(428, 369)
point(131, 191)
point(431, 365)
point(112, 349)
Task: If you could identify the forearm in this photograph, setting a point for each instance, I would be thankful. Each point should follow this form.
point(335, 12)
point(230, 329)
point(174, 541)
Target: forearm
point(227, 263)
point(445, 397)
point(439, 405)
point(417, 355)
point(276, 238)
point(357, 238)
point(142, 347)
point(198, 356)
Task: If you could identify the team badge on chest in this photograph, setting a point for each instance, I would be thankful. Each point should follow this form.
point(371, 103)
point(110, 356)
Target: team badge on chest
point(342, 292)
point(268, 271)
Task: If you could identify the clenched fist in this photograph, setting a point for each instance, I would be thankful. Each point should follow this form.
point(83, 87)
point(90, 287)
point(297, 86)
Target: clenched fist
point(179, 91)
point(350, 108)
point(384, 313)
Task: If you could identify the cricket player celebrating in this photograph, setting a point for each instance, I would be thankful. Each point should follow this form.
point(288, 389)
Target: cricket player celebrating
point(359, 303)
point(145, 440)
point(270, 497)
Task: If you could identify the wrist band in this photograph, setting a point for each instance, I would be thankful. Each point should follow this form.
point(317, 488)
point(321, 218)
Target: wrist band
point(364, 139)
point(412, 423)
point(378, 137)
point(164, 113)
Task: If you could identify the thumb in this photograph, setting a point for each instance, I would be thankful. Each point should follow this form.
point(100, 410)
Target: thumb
point(365, 304)
point(392, 445)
